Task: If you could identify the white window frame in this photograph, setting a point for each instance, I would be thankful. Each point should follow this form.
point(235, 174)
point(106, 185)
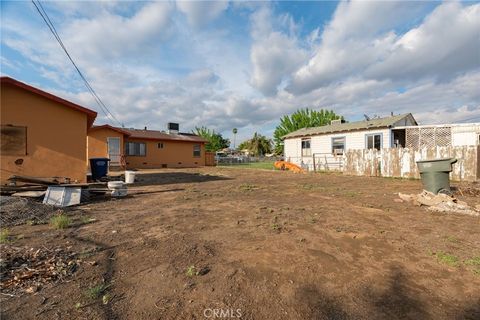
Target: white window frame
point(306, 152)
point(372, 136)
point(197, 150)
point(336, 151)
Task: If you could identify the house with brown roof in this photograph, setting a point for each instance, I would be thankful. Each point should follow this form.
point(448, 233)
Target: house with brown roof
point(42, 135)
point(327, 142)
point(146, 149)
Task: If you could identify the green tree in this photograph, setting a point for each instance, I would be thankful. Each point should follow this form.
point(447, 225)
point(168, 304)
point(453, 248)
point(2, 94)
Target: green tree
point(302, 118)
point(215, 140)
point(258, 145)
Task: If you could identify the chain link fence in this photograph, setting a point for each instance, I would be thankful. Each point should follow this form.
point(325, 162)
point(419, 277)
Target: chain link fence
point(245, 160)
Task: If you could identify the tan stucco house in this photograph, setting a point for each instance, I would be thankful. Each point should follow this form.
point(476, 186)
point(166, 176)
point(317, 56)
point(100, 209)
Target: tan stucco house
point(142, 148)
point(42, 135)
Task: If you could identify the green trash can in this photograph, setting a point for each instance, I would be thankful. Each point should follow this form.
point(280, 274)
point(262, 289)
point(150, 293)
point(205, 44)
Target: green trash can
point(435, 174)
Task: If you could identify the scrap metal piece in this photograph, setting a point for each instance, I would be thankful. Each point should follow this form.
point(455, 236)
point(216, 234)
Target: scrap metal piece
point(62, 196)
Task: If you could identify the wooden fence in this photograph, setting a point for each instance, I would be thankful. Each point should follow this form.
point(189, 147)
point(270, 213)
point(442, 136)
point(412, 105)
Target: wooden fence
point(401, 162)
point(210, 159)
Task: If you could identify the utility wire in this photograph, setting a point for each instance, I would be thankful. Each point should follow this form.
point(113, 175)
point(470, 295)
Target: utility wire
point(51, 26)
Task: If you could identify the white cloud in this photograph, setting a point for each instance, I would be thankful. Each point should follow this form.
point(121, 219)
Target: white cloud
point(95, 41)
point(202, 77)
point(444, 45)
point(273, 54)
point(199, 13)
point(113, 36)
point(150, 67)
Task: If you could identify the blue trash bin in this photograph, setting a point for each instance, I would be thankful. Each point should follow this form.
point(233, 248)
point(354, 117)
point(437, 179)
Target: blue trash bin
point(99, 167)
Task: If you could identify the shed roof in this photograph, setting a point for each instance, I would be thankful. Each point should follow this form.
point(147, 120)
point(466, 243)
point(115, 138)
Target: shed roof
point(91, 115)
point(350, 126)
point(159, 135)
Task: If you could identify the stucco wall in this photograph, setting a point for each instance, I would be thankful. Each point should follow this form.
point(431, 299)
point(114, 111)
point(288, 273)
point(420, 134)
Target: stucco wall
point(56, 136)
point(97, 142)
point(174, 154)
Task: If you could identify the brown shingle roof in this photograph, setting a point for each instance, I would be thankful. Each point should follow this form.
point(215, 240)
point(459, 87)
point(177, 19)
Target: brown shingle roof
point(159, 135)
point(350, 126)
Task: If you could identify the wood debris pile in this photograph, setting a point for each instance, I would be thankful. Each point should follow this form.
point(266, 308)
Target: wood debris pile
point(28, 270)
point(26, 186)
point(470, 189)
point(18, 184)
point(16, 211)
point(440, 203)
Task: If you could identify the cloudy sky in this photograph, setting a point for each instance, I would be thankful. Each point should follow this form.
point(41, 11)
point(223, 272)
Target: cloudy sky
point(245, 64)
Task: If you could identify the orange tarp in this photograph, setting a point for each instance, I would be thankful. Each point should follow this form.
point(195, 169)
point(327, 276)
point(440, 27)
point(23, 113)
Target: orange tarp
point(284, 165)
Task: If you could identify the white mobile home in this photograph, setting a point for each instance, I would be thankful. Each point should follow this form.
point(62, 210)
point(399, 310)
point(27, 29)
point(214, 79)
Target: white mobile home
point(331, 141)
point(327, 144)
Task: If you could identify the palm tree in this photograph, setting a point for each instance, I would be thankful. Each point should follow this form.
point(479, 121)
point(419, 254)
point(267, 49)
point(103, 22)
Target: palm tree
point(234, 136)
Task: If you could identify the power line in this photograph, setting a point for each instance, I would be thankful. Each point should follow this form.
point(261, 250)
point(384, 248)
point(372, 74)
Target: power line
point(51, 26)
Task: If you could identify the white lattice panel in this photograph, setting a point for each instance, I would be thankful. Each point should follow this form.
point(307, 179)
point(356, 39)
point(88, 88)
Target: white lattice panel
point(443, 137)
point(412, 138)
point(428, 137)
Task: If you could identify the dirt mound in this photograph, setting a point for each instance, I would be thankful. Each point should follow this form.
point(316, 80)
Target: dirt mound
point(25, 269)
point(440, 203)
point(16, 211)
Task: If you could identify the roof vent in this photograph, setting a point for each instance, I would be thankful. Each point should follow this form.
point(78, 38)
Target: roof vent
point(173, 128)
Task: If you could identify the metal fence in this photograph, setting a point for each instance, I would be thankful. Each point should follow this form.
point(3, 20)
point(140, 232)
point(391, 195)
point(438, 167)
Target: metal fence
point(237, 160)
point(319, 162)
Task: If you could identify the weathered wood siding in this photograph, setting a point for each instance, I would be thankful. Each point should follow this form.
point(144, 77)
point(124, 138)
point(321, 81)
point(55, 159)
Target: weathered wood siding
point(400, 162)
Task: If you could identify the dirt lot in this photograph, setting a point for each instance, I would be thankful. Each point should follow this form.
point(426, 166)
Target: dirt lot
point(260, 244)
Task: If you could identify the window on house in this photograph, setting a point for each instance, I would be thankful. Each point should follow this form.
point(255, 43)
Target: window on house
point(13, 140)
point(374, 141)
point(306, 149)
point(160, 145)
point(338, 145)
point(196, 150)
point(135, 149)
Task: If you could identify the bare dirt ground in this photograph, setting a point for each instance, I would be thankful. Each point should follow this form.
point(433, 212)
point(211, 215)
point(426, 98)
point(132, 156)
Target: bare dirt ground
point(260, 244)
